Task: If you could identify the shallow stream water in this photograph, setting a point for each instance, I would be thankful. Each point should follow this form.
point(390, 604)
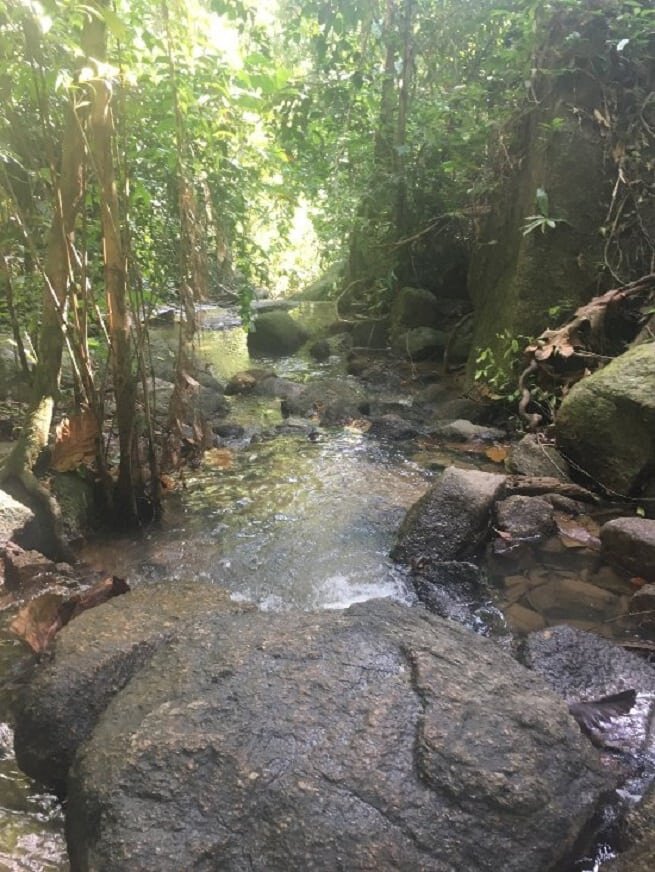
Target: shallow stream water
point(287, 522)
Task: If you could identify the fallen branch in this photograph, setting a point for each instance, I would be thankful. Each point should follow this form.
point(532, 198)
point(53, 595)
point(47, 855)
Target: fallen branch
point(40, 620)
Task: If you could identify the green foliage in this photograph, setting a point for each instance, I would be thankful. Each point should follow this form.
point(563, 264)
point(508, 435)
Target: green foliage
point(497, 370)
point(542, 220)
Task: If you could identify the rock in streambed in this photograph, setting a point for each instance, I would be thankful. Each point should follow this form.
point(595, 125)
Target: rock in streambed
point(379, 737)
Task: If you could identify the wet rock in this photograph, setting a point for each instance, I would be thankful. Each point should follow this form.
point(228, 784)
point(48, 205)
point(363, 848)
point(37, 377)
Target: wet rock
point(392, 427)
point(25, 569)
point(246, 381)
point(525, 517)
point(276, 333)
point(357, 363)
point(16, 519)
point(94, 657)
point(630, 543)
point(230, 431)
point(211, 403)
point(639, 835)
point(282, 388)
point(463, 408)
point(452, 589)
point(642, 605)
point(581, 666)
point(606, 422)
point(421, 343)
point(320, 350)
point(462, 430)
point(533, 457)
point(451, 519)
point(333, 401)
point(379, 737)
point(370, 333)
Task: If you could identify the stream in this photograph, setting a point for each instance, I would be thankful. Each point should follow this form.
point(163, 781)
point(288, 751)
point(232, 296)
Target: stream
point(287, 520)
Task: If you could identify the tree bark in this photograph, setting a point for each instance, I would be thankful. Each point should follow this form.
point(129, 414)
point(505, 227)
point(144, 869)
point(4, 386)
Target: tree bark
point(115, 273)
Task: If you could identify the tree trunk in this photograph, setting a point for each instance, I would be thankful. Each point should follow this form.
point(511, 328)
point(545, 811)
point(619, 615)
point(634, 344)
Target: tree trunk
point(57, 269)
point(193, 277)
point(115, 271)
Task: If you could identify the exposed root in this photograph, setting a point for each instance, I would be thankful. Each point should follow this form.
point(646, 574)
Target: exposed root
point(599, 331)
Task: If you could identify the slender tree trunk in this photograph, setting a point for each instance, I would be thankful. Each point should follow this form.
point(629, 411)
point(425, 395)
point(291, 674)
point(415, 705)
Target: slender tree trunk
point(193, 271)
point(369, 255)
point(58, 272)
point(115, 270)
point(400, 209)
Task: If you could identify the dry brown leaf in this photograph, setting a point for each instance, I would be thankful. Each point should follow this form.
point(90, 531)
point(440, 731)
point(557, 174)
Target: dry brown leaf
point(221, 458)
point(496, 453)
point(76, 440)
point(579, 532)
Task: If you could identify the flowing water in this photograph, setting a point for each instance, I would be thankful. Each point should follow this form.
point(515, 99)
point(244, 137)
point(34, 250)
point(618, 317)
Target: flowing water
point(288, 520)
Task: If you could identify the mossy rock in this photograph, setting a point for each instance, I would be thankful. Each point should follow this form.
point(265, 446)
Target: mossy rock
point(276, 333)
point(606, 424)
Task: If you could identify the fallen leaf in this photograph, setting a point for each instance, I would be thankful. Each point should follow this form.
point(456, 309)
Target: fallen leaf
point(221, 458)
point(579, 532)
point(76, 440)
point(496, 453)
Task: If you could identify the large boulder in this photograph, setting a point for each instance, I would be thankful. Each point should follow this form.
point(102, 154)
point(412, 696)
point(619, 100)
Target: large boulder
point(379, 737)
point(451, 519)
point(94, 658)
point(606, 423)
point(276, 333)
